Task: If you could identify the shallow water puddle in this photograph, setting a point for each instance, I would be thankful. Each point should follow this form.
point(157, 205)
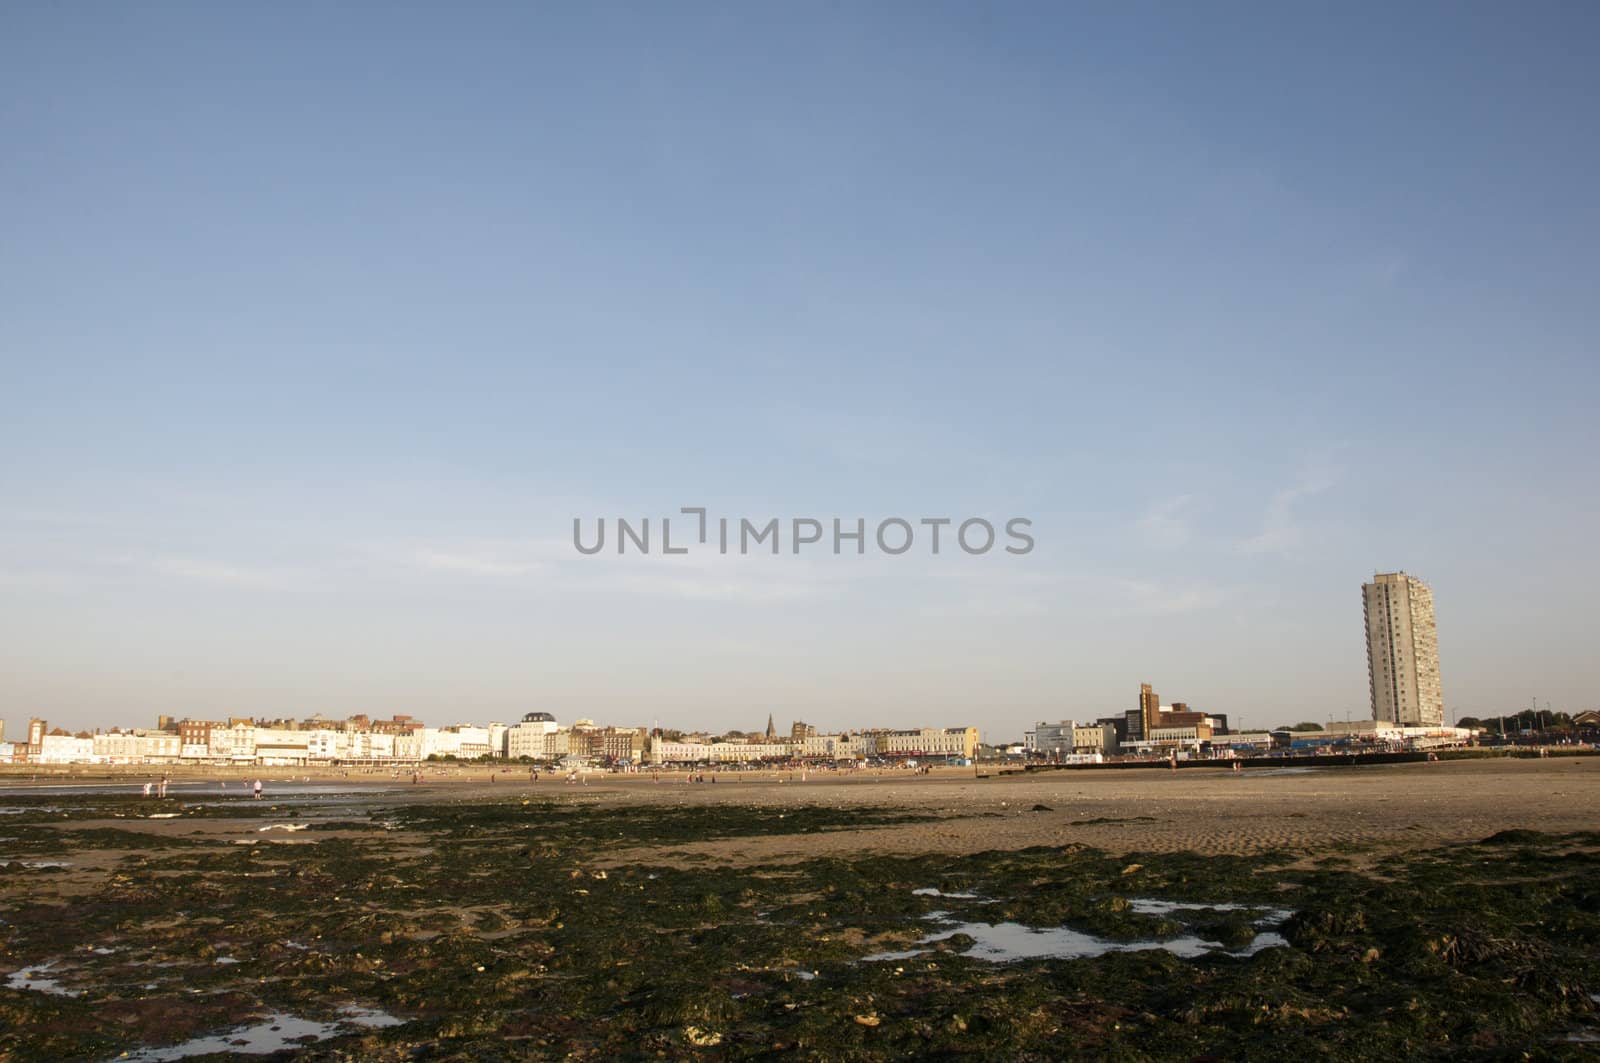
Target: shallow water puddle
point(275, 1033)
point(36, 865)
point(1008, 942)
point(36, 979)
point(1151, 906)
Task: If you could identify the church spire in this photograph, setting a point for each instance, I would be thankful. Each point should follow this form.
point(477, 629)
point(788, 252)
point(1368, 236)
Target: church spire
point(772, 732)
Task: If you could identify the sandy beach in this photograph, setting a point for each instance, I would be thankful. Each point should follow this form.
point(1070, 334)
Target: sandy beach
point(1310, 810)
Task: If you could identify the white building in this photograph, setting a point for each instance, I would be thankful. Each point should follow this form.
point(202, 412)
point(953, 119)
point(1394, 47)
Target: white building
point(440, 742)
point(472, 742)
point(748, 752)
point(1181, 737)
point(661, 751)
point(408, 745)
point(463, 741)
point(930, 742)
point(162, 745)
point(63, 748)
point(1242, 741)
point(1049, 739)
point(371, 746)
point(527, 738)
point(236, 743)
point(816, 747)
point(835, 747)
point(279, 746)
point(1094, 738)
point(855, 746)
point(119, 747)
point(327, 745)
point(1402, 651)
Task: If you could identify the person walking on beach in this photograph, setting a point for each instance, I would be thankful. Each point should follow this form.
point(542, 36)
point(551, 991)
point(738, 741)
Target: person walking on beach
point(147, 789)
point(258, 789)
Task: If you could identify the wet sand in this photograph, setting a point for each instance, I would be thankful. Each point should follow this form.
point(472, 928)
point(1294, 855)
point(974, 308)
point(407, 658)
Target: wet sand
point(1310, 810)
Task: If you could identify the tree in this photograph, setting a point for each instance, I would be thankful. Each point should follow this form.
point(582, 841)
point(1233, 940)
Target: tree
point(1303, 725)
point(1469, 721)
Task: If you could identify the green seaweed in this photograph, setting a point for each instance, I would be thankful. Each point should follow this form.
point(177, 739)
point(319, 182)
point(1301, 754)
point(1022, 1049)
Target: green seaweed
point(503, 929)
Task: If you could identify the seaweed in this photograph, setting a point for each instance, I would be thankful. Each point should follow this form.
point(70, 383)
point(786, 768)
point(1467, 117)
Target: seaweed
point(496, 929)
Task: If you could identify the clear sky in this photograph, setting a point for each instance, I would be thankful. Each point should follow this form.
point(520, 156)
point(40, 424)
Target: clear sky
point(320, 323)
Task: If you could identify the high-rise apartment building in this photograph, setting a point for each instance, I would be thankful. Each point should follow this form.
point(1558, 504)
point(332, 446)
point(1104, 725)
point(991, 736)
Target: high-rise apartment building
point(1402, 651)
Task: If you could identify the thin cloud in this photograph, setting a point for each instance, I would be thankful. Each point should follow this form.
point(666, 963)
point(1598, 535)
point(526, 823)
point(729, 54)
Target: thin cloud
point(707, 577)
point(230, 575)
point(479, 559)
point(1146, 598)
point(703, 586)
point(557, 567)
point(476, 564)
point(1281, 530)
point(1165, 525)
point(1047, 591)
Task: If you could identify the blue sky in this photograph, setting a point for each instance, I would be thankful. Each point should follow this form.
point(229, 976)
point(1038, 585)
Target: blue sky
point(319, 326)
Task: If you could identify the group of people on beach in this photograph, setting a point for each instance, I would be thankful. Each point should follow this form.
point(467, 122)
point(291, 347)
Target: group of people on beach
point(159, 789)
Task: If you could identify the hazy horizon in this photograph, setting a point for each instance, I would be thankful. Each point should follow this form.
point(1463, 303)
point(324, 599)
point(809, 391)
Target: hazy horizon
point(318, 328)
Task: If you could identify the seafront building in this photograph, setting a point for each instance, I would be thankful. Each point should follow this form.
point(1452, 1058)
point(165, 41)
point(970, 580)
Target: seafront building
point(1049, 739)
point(531, 737)
point(1402, 651)
point(1149, 710)
point(959, 742)
point(1095, 738)
point(538, 736)
point(1156, 728)
point(1371, 734)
